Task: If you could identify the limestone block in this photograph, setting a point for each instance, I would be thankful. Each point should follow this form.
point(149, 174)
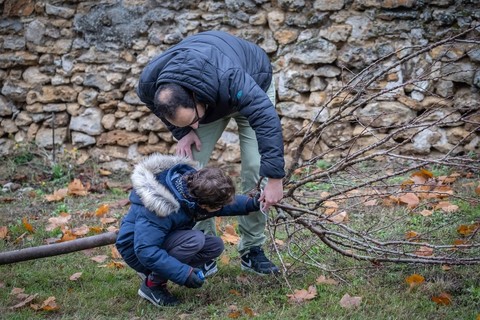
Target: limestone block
point(89, 122)
point(7, 108)
point(126, 124)
point(120, 137)
point(285, 36)
point(81, 140)
point(302, 111)
point(314, 51)
point(108, 121)
point(15, 90)
point(59, 119)
point(54, 107)
point(6, 146)
point(276, 19)
point(328, 5)
point(458, 135)
point(460, 72)
point(258, 19)
point(467, 99)
point(48, 94)
point(336, 33)
point(44, 138)
point(160, 147)
point(385, 114)
point(442, 116)
point(32, 131)
point(337, 134)
point(87, 97)
point(8, 125)
point(23, 119)
point(153, 138)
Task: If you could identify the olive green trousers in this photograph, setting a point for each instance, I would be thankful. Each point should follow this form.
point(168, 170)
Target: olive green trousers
point(252, 226)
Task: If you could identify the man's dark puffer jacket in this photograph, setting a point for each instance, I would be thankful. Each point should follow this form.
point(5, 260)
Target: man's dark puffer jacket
point(228, 74)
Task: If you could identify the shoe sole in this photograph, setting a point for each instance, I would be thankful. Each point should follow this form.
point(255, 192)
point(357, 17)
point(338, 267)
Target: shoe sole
point(244, 268)
point(144, 296)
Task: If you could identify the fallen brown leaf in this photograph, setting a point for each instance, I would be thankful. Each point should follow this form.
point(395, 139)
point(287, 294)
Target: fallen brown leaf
point(3, 232)
point(303, 295)
point(57, 195)
point(414, 280)
point(324, 280)
point(76, 188)
point(230, 235)
point(443, 299)
point(23, 303)
point(424, 251)
point(349, 302)
point(100, 258)
point(410, 199)
point(75, 276)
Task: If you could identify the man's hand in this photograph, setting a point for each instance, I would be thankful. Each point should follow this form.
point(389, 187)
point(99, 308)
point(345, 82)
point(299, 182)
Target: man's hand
point(272, 193)
point(193, 280)
point(184, 145)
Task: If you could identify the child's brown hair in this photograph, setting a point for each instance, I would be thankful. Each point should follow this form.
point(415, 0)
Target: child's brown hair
point(210, 187)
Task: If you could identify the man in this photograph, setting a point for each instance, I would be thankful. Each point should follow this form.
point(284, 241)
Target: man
point(196, 87)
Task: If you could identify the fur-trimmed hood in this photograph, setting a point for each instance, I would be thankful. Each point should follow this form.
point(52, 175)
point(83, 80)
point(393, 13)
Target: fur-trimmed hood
point(155, 196)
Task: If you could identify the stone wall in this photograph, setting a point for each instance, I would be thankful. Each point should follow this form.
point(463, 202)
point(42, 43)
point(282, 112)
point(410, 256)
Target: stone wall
point(68, 69)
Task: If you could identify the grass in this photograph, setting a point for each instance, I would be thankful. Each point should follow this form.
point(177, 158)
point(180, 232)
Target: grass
point(104, 291)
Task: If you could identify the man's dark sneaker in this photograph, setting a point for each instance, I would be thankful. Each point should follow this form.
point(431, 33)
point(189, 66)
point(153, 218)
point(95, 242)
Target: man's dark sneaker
point(158, 295)
point(254, 260)
point(210, 268)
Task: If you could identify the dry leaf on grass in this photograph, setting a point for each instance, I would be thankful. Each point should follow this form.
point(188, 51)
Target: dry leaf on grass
point(100, 258)
point(443, 299)
point(324, 280)
point(57, 195)
point(27, 225)
point(370, 203)
point(81, 231)
point(76, 188)
point(303, 295)
point(409, 235)
point(424, 251)
point(446, 206)
point(75, 276)
point(55, 222)
point(27, 299)
point(102, 210)
point(349, 302)
point(3, 232)
point(230, 235)
point(48, 305)
point(426, 212)
point(414, 280)
point(410, 199)
point(115, 253)
point(339, 217)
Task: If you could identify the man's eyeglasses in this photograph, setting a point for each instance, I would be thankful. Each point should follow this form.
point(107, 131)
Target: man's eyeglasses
point(197, 117)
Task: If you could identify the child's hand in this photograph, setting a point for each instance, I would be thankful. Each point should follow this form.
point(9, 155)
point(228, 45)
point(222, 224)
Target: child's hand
point(253, 203)
point(193, 281)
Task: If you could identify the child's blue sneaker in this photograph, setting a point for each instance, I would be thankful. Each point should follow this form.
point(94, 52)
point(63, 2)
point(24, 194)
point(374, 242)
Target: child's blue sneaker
point(158, 295)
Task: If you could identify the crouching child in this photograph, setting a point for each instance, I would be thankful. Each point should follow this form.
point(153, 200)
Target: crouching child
point(156, 238)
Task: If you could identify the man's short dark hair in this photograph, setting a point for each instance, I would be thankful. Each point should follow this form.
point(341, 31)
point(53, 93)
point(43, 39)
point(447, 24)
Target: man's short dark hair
point(170, 96)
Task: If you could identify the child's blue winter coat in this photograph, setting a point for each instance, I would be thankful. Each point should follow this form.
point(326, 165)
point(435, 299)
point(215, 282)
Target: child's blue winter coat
point(157, 209)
